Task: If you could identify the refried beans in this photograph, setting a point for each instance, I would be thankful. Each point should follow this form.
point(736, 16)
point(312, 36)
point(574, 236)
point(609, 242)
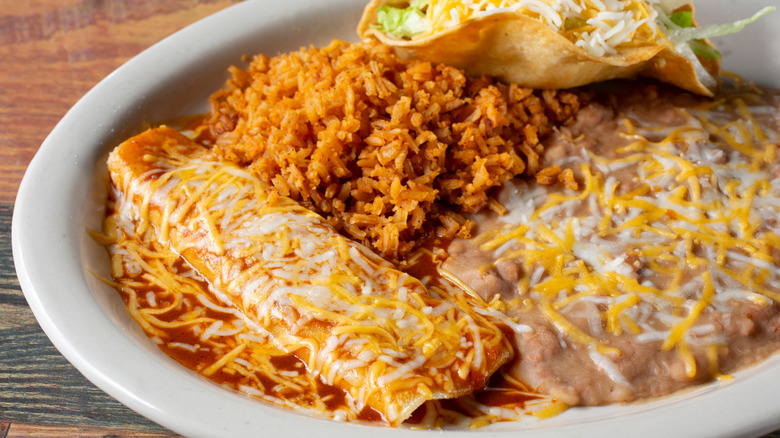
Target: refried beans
point(662, 270)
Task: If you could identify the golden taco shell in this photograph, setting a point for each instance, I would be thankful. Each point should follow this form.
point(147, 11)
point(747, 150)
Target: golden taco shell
point(517, 48)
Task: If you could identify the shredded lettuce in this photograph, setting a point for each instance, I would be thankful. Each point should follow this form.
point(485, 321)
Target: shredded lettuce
point(680, 30)
point(688, 40)
point(704, 50)
point(403, 22)
point(682, 18)
point(679, 34)
point(574, 23)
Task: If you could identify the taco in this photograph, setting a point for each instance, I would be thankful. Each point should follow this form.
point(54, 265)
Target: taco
point(555, 43)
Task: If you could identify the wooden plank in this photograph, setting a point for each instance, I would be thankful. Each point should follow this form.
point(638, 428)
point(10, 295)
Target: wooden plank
point(52, 52)
point(20, 430)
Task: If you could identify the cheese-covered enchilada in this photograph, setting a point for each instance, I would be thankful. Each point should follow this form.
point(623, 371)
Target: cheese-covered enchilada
point(356, 322)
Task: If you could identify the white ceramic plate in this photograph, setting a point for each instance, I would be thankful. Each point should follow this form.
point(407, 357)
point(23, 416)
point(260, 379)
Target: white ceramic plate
point(63, 192)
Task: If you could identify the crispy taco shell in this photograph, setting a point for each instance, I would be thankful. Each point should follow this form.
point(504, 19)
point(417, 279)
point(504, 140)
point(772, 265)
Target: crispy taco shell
point(516, 48)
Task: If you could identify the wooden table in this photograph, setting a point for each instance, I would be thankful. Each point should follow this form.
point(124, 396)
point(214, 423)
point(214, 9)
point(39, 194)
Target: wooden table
point(51, 53)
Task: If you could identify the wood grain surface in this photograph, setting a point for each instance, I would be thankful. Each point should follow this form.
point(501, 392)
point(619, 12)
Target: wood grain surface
point(51, 53)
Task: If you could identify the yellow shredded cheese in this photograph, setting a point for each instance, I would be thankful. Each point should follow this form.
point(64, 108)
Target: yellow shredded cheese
point(355, 321)
point(598, 27)
point(693, 226)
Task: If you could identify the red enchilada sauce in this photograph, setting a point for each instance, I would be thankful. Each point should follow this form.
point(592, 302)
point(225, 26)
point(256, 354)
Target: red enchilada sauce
point(565, 348)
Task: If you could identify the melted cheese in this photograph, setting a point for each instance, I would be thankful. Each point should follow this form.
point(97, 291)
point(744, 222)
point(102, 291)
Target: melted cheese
point(357, 323)
point(695, 227)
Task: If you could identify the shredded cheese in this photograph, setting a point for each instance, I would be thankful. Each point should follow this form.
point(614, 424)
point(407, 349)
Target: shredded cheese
point(297, 284)
point(598, 27)
point(691, 228)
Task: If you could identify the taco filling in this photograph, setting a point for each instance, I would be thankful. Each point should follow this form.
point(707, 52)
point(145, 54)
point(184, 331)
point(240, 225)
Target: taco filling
point(557, 43)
